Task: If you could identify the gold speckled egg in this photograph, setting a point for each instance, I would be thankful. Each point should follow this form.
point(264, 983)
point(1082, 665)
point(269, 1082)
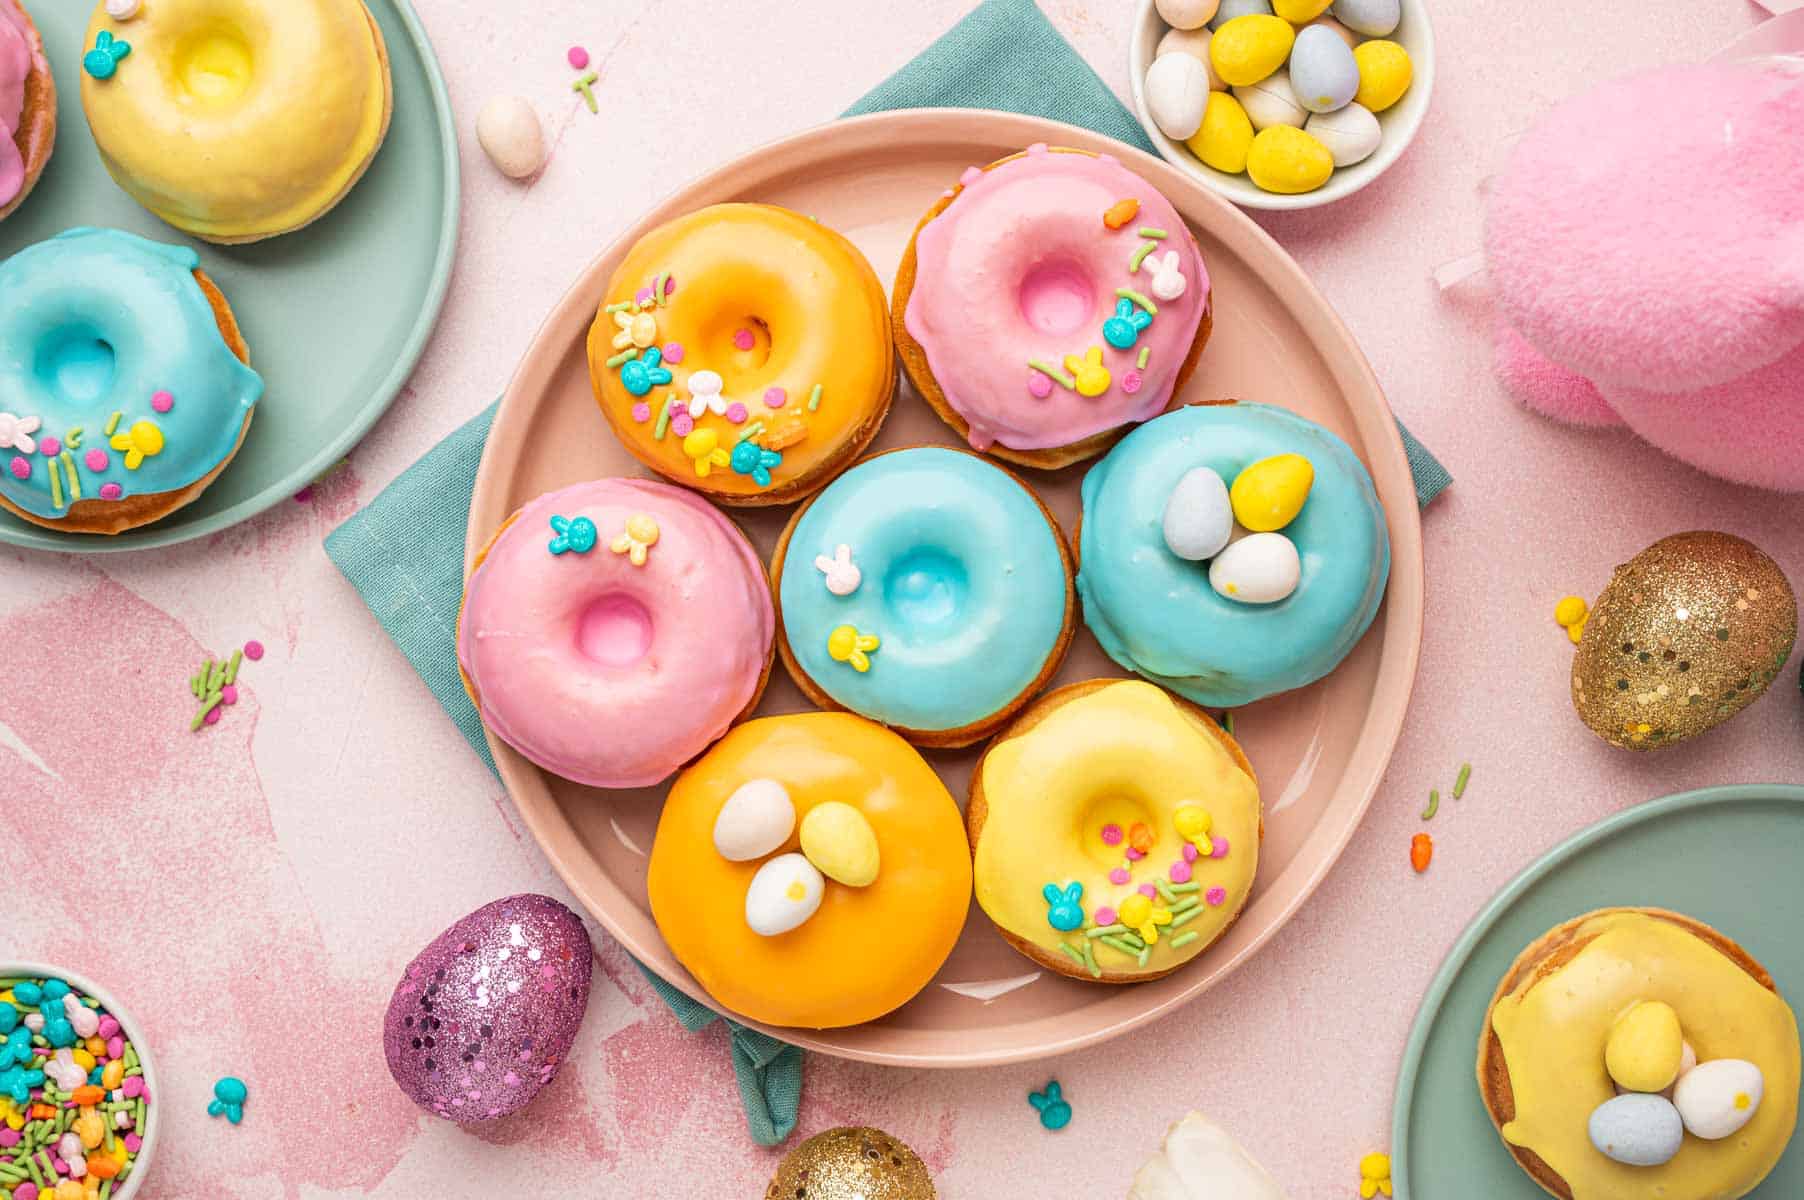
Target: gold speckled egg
point(1688, 633)
point(851, 1164)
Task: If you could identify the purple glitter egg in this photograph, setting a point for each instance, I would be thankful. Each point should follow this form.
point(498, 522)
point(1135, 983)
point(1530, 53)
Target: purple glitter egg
point(485, 1014)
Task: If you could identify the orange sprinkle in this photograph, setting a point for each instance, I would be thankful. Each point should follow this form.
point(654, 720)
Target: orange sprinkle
point(1121, 212)
point(1421, 850)
point(87, 1094)
point(41, 1111)
point(1141, 838)
point(102, 1166)
point(784, 434)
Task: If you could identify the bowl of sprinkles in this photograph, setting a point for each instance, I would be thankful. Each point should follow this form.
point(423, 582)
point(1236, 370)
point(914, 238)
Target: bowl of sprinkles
point(75, 1089)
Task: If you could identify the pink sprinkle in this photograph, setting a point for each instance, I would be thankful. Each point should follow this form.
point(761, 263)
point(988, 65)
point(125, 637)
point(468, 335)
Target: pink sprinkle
point(110, 491)
point(670, 285)
point(642, 412)
point(21, 467)
point(1038, 385)
point(228, 694)
point(9, 1137)
point(213, 715)
point(736, 413)
point(97, 460)
point(26, 1191)
point(109, 1029)
point(133, 1143)
point(775, 397)
point(134, 1087)
point(1130, 381)
point(58, 1165)
point(1149, 891)
point(579, 58)
point(50, 447)
point(1180, 872)
point(1135, 855)
point(162, 401)
point(673, 352)
point(1189, 852)
point(644, 298)
point(1111, 834)
point(1216, 896)
point(682, 424)
point(115, 1045)
point(253, 650)
point(743, 339)
point(1119, 876)
point(1106, 915)
point(1219, 847)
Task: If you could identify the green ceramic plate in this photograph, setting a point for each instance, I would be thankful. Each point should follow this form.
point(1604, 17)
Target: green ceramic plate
point(1728, 856)
point(336, 315)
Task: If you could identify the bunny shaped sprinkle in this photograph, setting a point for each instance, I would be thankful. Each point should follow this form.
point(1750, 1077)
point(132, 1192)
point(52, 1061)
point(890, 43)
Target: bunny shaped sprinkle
point(1168, 276)
point(1123, 329)
point(704, 394)
point(573, 536)
point(845, 644)
point(749, 458)
point(842, 574)
point(15, 433)
point(103, 59)
point(1055, 1112)
point(1063, 910)
point(642, 374)
point(1091, 376)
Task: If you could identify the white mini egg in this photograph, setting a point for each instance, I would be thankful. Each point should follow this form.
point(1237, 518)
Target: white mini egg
point(1322, 70)
point(1177, 89)
point(1637, 1129)
point(1261, 568)
point(1195, 43)
point(508, 131)
point(122, 10)
point(1230, 9)
point(756, 819)
point(1374, 18)
point(1185, 14)
point(1198, 516)
point(1715, 1099)
point(785, 892)
point(1351, 134)
point(1271, 101)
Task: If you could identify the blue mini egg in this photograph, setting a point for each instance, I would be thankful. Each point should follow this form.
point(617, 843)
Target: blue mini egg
point(1323, 73)
point(1374, 18)
point(1239, 8)
point(1637, 1129)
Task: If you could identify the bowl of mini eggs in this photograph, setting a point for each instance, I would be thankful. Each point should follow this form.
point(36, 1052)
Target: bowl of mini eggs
point(1282, 104)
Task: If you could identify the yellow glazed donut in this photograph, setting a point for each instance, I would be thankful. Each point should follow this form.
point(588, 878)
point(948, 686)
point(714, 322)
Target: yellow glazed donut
point(237, 120)
point(848, 879)
point(744, 350)
point(1635, 1052)
point(1116, 831)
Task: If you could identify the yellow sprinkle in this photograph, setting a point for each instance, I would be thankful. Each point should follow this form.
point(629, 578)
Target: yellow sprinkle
point(1570, 611)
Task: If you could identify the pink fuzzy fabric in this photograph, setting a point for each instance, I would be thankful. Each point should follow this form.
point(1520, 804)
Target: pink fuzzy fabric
point(1646, 247)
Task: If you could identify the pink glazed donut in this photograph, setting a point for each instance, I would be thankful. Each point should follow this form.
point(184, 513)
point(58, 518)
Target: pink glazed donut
point(612, 630)
point(1048, 302)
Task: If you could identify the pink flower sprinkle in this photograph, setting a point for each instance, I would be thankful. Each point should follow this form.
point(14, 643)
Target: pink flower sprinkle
point(1111, 834)
point(133, 1143)
point(1119, 876)
point(1189, 852)
point(1219, 847)
point(1180, 872)
point(253, 650)
point(642, 412)
point(134, 1087)
point(1216, 896)
point(115, 1045)
point(1149, 891)
point(109, 1029)
point(743, 339)
point(673, 351)
point(21, 467)
point(682, 424)
point(50, 447)
point(110, 491)
point(643, 297)
point(577, 57)
point(97, 460)
point(1106, 915)
point(229, 695)
point(162, 401)
point(736, 413)
point(9, 1138)
point(213, 714)
point(775, 397)
point(26, 1191)
point(1135, 855)
point(670, 285)
point(1038, 385)
point(1130, 381)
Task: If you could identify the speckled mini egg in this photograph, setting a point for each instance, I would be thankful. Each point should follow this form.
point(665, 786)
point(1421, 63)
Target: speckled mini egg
point(1186, 14)
point(1715, 1099)
point(486, 1013)
point(1195, 43)
point(1637, 1130)
point(1285, 160)
point(1374, 18)
point(1323, 70)
point(1271, 101)
point(1645, 1048)
point(1262, 568)
point(1198, 518)
point(851, 1164)
point(784, 893)
point(1177, 88)
point(1229, 9)
point(1249, 48)
point(1226, 136)
point(1350, 134)
point(1688, 633)
point(1385, 73)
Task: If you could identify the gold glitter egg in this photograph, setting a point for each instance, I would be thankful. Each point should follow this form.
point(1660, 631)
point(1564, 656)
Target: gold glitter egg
point(851, 1164)
point(1688, 633)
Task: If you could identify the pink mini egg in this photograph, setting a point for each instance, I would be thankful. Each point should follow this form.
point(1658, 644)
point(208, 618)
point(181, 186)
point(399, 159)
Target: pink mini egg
point(487, 1012)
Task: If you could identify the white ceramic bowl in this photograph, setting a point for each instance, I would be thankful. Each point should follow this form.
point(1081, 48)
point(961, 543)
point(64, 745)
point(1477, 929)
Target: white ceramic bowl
point(153, 1113)
point(1399, 122)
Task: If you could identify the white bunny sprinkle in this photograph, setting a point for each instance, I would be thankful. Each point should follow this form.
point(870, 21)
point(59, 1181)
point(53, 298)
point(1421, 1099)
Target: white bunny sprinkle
point(843, 575)
point(704, 393)
point(1168, 278)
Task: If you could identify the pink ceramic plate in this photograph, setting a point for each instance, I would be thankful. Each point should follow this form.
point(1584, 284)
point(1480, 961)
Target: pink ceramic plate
point(1319, 752)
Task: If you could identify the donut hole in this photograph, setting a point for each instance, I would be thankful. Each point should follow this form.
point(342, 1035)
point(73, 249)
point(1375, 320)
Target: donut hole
point(614, 630)
point(1121, 811)
point(1057, 297)
point(925, 589)
point(213, 64)
point(738, 346)
point(76, 363)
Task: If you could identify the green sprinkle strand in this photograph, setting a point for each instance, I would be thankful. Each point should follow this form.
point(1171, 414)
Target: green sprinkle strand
point(1146, 352)
point(585, 83)
point(1459, 785)
point(623, 306)
point(56, 482)
point(1126, 293)
point(814, 398)
point(212, 702)
point(1164, 890)
point(625, 356)
point(1181, 888)
point(74, 479)
point(216, 677)
point(1057, 375)
point(1227, 721)
point(1105, 930)
point(1145, 954)
point(1075, 956)
point(1134, 940)
point(1184, 906)
point(112, 423)
point(1145, 249)
point(72, 439)
point(1116, 944)
point(231, 674)
point(1184, 939)
point(663, 418)
point(750, 431)
point(1434, 804)
point(1090, 960)
point(1183, 919)
point(657, 290)
point(1153, 232)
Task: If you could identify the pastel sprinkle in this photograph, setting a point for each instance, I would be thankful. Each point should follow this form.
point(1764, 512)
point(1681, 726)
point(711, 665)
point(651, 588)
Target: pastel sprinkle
point(1106, 930)
point(1216, 896)
point(1130, 381)
point(1130, 294)
point(49, 447)
point(1180, 871)
point(625, 356)
point(814, 398)
point(1146, 352)
point(97, 460)
point(1134, 854)
point(743, 339)
point(253, 650)
point(1149, 891)
point(577, 57)
point(681, 423)
point(1218, 847)
point(228, 694)
point(1149, 231)
point(1189, 853)
point(56, 483)
point(1119, 876)
point(1090, 960)
point(1459, 785)
point(1140, 254)
point(21, 467)
point(112, 423)
point(215, 712)
point(736, 413)
point(72, 439)
point(208, 706)
point(673, 352)
point(1184, 939)
point(1111, 834)
point(1038, 386)
point(1076, 957)
point(1057, 374)
point(663, 419)
point(641, 412)
point(1421, 852)
point(775, 397)
point(585, 84)
point(1434, 804)
point(111, 491)
point(1185, 887)
point(162, 401)
point(1105, 915)
point(750, 431)
point(74, 479)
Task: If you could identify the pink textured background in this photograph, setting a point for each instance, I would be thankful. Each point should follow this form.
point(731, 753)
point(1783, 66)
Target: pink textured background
point(254, 891)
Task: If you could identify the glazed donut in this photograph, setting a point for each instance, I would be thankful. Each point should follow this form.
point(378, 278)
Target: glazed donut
point(27, 107)
point(237, 120)
point(1115, 831)
point(1049, 301)
point(925, 588)
point(826, 953)
point(1161, 614)
point(743, 350)
point(611, 630)
point(1639, 1052)
point(125, 377)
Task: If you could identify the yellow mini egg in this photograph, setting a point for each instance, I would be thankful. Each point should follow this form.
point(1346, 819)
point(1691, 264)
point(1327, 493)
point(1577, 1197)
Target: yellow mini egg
point(1300, 12)
point(1285, 160)
point(1385, 73)
point(1226, 135)
point(839, 840)
point(1270, 493)
point(1247, 49)
point(1644, 1048)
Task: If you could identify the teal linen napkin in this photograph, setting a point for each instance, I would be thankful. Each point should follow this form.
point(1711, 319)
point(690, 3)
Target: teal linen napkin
point(404, 553)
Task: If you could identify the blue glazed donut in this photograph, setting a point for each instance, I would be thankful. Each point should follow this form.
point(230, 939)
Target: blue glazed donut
point(122, 394)
point(1156, 614)
point(948, 607)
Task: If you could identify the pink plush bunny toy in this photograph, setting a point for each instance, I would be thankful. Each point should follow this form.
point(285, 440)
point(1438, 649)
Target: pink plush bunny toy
point(1646, 248)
